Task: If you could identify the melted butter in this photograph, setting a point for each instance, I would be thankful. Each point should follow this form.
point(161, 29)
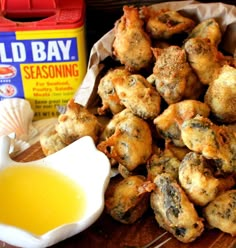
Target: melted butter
point(38, 199)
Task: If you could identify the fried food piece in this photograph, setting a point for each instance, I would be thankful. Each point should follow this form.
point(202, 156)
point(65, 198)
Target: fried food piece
point(109, 130)
point(215, 142)
point(197, 179)
point(162, 162)
point(208, 28)
point(179, 152)
point(173, 210)
point(204, 58)
point(51, 142)
point(131, 134)
point(167, 123)
point(174, 78)
point(136, 94)
point(164, 23)
point(221, 212)
point(221, 95)
point(110, 100)
point(132, 45)
point(77, 122)
point(128, 199)
point(110, 127)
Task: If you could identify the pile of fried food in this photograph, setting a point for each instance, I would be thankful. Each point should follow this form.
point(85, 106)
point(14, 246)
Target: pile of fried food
point(171, 104)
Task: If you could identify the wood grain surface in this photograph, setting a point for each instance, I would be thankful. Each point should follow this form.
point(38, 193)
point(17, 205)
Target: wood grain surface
point(108, 233)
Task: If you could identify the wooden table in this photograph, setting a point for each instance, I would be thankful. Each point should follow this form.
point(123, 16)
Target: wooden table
point(108, 233)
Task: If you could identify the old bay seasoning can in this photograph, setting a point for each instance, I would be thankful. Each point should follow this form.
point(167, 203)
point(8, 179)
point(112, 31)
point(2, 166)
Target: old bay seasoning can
point(42, 52)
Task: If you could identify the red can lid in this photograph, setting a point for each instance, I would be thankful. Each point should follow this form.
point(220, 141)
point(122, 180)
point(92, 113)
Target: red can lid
point(54, 13)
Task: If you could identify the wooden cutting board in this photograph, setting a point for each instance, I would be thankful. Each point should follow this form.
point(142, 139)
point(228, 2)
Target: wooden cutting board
point(108, 233)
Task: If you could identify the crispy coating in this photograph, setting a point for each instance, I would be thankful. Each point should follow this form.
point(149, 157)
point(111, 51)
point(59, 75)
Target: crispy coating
point(167, 123)
point(221, 95)
point(204, 58)
point(164, 23)
point(197, 179)
point(109, 130)
point(179, 152)
point(162, 162)
point(51, 142)
point(208, 28)
point(215, 142)
point(128, 199)
point(77, 122)
point(173, 210)
point(132, 45)
point(110, 100)
point(138, 95)
point(110, 127)
point(174, 78)
point(131, 134)
point(221, 212)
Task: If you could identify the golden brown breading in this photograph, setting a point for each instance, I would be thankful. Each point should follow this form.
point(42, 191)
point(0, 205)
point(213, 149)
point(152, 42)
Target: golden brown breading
point(221, 95)
point(109, 130)
point(173, 210)
point(51, 142)
point(174, 78)
point(138, 95)
point(215, 142)
point(128, 199)
point(164, 23)
point(208, 28)
point(131, 134)
point(197, 179)
point(107, 92)
point(167, 123)
point(179, 152)
point(77, 122)
point(110, 127)
point(162, 162)
point(204, 58)
point(221, 212)
point(132, 46)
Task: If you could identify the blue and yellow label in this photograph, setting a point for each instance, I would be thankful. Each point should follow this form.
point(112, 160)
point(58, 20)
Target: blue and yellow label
point(45, 67)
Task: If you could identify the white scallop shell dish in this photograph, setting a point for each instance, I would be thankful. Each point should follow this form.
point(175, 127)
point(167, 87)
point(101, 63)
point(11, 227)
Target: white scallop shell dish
point(16, 116)
point(81, 162)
